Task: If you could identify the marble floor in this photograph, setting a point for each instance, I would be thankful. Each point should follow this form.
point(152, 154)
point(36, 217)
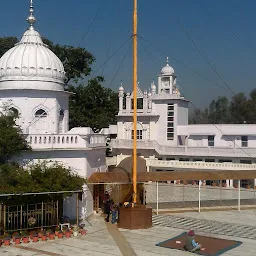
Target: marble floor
point(106, 240)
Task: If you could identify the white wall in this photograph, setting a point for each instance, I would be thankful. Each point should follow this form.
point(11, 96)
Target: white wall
point(27, 102)
point(76, 159)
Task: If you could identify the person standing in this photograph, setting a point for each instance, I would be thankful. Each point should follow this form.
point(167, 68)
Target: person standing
point(107, 209)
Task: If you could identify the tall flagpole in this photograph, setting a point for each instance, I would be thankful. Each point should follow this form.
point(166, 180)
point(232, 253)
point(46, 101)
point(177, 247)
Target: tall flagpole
point(135, 103)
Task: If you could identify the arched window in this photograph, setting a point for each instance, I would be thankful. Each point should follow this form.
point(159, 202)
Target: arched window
point(40, 113)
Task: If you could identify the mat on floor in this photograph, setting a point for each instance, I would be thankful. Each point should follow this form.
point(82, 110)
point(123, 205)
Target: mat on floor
point(211, 246)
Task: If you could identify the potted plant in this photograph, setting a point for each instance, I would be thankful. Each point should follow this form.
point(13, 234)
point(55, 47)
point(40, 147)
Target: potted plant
point(16, 238)
point(75, 230)
point(48, 232)
point(248, 186)
point(32, 234)
point(66, 231)
point(185, 182)
point(224, 185)
point(60, 234)
point(83, 232)
point(57, 229)
point(193, 182)
point(44, 237)
point(25, 237)
point(35, 238)
point(7, 239)
point(51, 234)
point(14, 235)
point(214, 184)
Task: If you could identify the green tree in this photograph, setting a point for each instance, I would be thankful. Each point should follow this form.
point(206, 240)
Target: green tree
point(40, 177)
point(7, 43)
point(239, 109)
point(12, 141)
point(93, 105)
point(219, 111)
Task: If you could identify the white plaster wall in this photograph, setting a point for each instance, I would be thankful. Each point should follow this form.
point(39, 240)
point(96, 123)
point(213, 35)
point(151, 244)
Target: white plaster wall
point(69, 205)
point(225, 135)
point(182, 113)
point(27, 102)
point(76, 159)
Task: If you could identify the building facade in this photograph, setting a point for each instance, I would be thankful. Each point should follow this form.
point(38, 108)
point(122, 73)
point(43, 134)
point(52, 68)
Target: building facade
point(168, 142)
point(32, 82)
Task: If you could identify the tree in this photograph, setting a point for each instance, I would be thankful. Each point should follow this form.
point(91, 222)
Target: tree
point(7, 43)
point(239, 109)
point(39, 177)
point(12, 141)
point(93, 105)
point(219, 111)
point(76, 60)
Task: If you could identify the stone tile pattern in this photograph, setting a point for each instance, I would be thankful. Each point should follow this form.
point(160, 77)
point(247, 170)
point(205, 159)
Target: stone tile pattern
point(200, 225)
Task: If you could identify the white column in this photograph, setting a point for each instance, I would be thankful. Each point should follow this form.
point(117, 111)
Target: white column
point(239, 196)
point(254, 184)
point(66, 120)
point(227, 182)
point(145, 102)
point(231, 183)
point(121, 104)
point(128, 103)
point(157, 198)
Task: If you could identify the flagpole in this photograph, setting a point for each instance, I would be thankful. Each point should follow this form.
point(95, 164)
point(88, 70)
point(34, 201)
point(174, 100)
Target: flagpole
point(135, 102)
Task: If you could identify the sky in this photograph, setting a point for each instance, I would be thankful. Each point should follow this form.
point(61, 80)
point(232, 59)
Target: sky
point(210, 44)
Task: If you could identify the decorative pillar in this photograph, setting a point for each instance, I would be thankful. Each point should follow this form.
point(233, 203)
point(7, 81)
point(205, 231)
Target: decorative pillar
point(121, 97)
point(128, 102)
point(231, 183)
point(145, 102)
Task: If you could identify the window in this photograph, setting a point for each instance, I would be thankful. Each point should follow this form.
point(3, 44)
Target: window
point(139, 134)
point(170, 121)
point(244, 140)
point(211, 141)
point(40, 113)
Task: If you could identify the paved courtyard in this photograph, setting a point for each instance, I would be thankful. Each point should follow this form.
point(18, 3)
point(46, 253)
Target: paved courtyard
point(107, 239)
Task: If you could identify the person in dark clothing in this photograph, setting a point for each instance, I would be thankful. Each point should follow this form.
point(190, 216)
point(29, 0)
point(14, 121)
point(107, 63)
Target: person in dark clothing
point(107, 209)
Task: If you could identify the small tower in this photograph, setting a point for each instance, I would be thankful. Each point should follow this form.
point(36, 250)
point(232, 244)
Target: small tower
point(167, 80)
point(121, 97)
point(153, 88)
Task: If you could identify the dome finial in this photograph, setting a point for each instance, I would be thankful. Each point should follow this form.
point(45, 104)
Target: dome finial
point(167, 61)
point(31, 19)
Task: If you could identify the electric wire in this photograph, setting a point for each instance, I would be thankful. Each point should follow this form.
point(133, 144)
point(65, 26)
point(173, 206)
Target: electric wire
point(221, 130)
point(206, 59)
point(119, 66)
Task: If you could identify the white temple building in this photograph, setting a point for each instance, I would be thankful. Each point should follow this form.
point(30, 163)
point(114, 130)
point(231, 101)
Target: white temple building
point(32, 82)
point(168, 142)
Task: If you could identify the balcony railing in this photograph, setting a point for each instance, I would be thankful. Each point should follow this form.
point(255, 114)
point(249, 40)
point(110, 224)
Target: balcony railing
point(60, 141)
point(186, 150)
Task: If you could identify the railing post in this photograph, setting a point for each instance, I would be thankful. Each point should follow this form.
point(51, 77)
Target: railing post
point(77, 206)
point(4, 217)
point(21, 224)
point(42, 216)
point(57, 215)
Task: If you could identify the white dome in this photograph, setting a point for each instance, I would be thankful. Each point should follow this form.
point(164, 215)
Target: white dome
point(167, 70)
point(31, 60)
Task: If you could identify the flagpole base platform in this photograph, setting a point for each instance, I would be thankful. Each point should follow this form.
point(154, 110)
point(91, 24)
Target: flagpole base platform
point(138, 217)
